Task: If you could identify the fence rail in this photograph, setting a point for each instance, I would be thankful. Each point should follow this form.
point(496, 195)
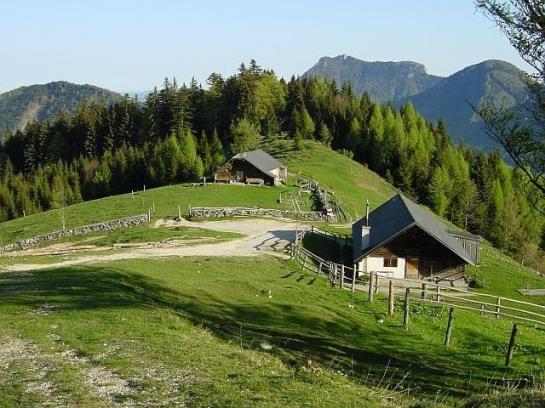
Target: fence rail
point(347, 277)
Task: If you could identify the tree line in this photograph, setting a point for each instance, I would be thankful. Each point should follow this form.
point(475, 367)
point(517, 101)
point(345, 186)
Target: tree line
point(181, 133)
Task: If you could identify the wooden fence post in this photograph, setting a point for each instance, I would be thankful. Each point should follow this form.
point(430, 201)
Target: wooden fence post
point(482, 310)
point(449, 326)
point(377, 282)
point(438, 293)
point(391, 299)
point(498, 304)
point(179, 213)
point(371, 289)
point(354, 272)
point(149, 214)
point(511, 346)
point(424, 289)
point(342, 277)
point(406, 308)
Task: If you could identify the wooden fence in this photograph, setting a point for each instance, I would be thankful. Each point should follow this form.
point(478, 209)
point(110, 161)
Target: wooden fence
point(351, 278)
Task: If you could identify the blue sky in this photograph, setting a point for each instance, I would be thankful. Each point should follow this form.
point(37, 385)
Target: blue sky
point(132, 45)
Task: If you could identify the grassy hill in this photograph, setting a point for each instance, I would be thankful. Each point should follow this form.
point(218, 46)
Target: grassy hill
point(351, 182)
point(232, 332)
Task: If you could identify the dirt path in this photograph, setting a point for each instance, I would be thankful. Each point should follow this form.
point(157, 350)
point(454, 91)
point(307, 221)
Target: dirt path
point(260, 236)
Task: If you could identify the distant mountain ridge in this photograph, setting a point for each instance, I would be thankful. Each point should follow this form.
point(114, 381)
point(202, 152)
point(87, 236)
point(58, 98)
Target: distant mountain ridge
point(42, 101)
point(433, 96)
point(384, 81)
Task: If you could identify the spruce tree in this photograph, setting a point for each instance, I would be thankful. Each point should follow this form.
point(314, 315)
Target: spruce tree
point(245, 136)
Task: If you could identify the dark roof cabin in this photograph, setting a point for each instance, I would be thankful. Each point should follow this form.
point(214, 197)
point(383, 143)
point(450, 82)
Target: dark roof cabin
point(253, 167)
point(404, 240)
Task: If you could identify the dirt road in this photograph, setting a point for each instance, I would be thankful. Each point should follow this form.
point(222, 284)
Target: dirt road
point(260, 236)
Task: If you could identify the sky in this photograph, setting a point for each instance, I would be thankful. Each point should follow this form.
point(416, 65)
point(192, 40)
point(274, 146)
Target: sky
point(132, 45)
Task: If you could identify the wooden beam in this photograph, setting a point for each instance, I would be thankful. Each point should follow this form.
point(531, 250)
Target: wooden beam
point(391, 299)
point(449, 326)
point(511, 347)
point(406, 309)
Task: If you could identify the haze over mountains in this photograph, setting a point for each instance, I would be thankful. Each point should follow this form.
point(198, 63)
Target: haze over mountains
point(434, 97)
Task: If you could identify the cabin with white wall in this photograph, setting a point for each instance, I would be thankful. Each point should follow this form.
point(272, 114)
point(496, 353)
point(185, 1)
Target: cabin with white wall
point(402, 240)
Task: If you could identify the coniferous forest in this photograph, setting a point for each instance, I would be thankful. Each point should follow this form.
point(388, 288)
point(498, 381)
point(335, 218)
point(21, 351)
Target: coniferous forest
point(180, 133)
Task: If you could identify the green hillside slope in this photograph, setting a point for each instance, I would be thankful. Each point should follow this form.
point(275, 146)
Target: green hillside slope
point(351, 182)
point(227, 331)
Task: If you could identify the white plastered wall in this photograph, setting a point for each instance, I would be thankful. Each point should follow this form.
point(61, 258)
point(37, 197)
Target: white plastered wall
point(376, 264)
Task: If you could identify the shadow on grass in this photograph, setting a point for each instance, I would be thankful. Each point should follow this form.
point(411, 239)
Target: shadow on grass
point(320, 332)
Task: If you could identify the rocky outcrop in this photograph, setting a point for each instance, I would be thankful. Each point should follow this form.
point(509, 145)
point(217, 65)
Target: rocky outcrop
point(223, 212)
point(70, 232)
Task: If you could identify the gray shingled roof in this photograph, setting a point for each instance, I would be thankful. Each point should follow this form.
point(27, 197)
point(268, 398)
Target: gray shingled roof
point(261, 160)
point(398, 215)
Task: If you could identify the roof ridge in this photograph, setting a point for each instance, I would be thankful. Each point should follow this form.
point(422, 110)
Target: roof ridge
point(453, 243)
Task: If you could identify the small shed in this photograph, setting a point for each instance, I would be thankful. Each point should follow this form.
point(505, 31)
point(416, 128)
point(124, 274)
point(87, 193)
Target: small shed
point(253, 167)
point(401, 239)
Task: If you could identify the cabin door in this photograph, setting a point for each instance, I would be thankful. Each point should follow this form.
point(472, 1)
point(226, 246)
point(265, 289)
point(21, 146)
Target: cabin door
point(411, 269)
point(240, 176)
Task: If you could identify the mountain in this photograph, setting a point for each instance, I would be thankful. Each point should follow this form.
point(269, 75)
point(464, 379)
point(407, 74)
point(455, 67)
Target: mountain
point(384, 81)
point(39, 102)
point(492, 81)
point(434, 97)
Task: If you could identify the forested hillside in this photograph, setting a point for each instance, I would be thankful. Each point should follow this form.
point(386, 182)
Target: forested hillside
point(184, 132)
point(447, 98)
point(496, 82)
point(43, 102)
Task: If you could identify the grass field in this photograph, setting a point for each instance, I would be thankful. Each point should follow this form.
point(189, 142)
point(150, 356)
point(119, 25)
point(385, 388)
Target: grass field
point(231, 332)
point(166, 201)
point(148, 234)
point(498, 276)
point(351, 182)
point(195, 331)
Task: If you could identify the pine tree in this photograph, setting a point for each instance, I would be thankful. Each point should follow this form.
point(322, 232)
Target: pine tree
point(217, 157)
point(324, 135)
point(376, 136)
point(190, 162)
point(303, 123)
point(298, 141)
point(439, 191)
point(245, 136)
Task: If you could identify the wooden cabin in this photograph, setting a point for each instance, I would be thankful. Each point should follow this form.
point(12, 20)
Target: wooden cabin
point(254, 167)
point(400, 239)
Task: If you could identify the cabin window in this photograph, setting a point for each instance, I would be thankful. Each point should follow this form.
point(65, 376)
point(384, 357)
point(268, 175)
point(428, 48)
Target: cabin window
point(390, 262)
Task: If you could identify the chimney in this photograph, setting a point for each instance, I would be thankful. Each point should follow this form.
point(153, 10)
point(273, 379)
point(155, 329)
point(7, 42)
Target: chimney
point(367, 212)
point(366, 229)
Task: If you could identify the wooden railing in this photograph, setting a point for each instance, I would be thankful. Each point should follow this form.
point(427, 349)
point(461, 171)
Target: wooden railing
point(351, 278)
